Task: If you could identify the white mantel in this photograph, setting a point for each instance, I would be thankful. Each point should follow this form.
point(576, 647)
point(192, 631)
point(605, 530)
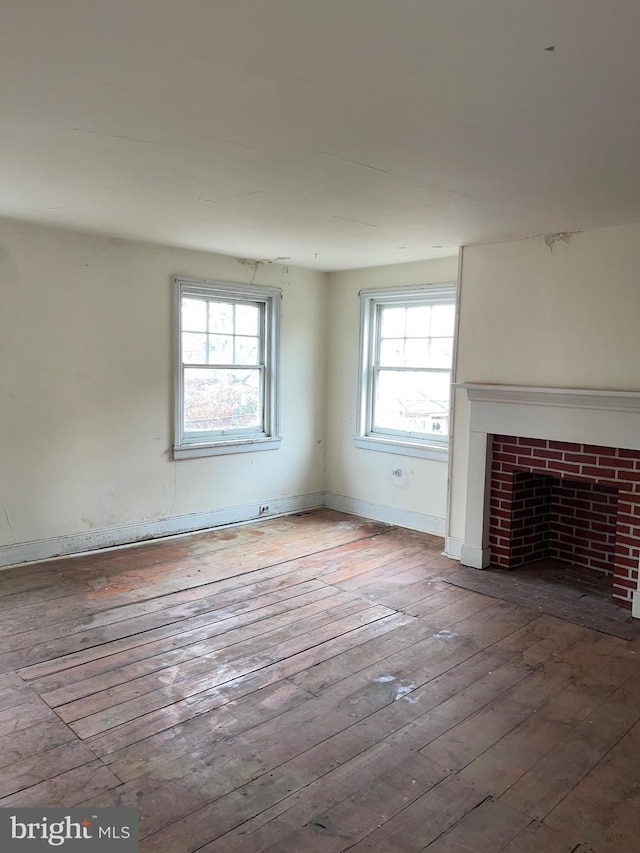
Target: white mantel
point(608, 418)
point(582, 416)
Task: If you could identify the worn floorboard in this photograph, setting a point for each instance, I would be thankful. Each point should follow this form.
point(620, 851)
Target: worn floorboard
point(552, 587)
point(315, 683)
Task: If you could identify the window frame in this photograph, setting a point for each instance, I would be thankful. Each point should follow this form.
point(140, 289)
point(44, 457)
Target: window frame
point(366, 437)
point(217, 442)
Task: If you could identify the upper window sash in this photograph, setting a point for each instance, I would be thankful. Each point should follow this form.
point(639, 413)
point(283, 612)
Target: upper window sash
point(260, 331)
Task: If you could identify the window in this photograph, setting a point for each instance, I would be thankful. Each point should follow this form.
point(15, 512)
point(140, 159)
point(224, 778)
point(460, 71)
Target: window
point(405, 370)
point(226, 368)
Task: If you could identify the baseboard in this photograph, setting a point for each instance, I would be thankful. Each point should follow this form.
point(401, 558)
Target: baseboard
point(453, 547)
point(474, 557)
point(390, 515)
point(129, 534)
point(92, 540)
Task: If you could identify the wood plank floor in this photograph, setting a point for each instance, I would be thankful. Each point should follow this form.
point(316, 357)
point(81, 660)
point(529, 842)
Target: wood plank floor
point(558, 589)
point(312, 683)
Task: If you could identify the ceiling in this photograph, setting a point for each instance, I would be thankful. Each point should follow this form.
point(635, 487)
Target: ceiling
point(330, 133)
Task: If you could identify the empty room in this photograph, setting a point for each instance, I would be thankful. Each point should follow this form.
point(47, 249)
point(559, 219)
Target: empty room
point(320, 426)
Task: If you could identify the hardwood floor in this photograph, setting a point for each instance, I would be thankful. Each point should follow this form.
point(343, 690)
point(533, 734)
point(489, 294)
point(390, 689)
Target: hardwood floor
point(312, 683)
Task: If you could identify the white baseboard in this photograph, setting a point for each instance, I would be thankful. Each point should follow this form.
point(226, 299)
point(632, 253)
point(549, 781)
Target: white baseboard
point(92, 540)
point(475, 558)
point(128, 534)
point(388, 514)
point(453, 547)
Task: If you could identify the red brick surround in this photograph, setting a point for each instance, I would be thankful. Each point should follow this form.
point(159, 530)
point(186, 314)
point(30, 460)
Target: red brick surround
point(578, 503)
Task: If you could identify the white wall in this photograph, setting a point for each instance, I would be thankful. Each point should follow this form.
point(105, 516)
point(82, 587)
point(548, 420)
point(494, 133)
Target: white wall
point(86, 392)
point(566, 317)
point(360, 480)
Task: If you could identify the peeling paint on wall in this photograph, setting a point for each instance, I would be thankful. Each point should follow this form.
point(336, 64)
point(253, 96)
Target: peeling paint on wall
point(258, 262)
point(554, 237)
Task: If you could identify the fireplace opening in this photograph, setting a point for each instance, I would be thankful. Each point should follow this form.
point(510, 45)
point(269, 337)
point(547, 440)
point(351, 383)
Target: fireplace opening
point(567, 521)
point(572, 504)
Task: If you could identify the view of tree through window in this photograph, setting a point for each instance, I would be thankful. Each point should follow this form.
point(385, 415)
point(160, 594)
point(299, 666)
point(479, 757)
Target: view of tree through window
point(227, 374)
point(222, 354)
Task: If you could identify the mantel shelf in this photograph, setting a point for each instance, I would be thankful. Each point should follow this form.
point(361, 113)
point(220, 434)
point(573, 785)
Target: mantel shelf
point(580, 398)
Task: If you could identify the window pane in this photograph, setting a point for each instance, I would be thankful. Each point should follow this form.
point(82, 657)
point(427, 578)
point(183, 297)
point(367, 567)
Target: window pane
point(221, 317)
point(441, 352)
point(392, 322)
point(194, 315)
point(410, 401)
point(220, 349)
point(392, 352)
point(221, 399)
point(417, 351)
point(194, 348)
point(246, 351)
point(247, 317)
point(418, 321)
point(442, 320)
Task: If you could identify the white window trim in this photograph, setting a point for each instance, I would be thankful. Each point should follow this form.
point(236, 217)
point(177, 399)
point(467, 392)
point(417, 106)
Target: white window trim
point(426, 448)
point(186, 447)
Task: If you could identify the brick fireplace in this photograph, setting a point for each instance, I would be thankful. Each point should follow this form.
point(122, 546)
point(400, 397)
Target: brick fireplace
point(575, 503)
point(555, 473)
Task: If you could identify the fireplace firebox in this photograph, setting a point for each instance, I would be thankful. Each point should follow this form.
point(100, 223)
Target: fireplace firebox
point(567, 502)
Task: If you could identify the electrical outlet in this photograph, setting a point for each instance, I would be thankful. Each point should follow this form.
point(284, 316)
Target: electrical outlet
point(264, 508)
point(398, 473)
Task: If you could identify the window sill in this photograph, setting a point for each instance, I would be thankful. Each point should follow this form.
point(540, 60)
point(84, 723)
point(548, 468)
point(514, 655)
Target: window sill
point(403, 448)
point(222, 448)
